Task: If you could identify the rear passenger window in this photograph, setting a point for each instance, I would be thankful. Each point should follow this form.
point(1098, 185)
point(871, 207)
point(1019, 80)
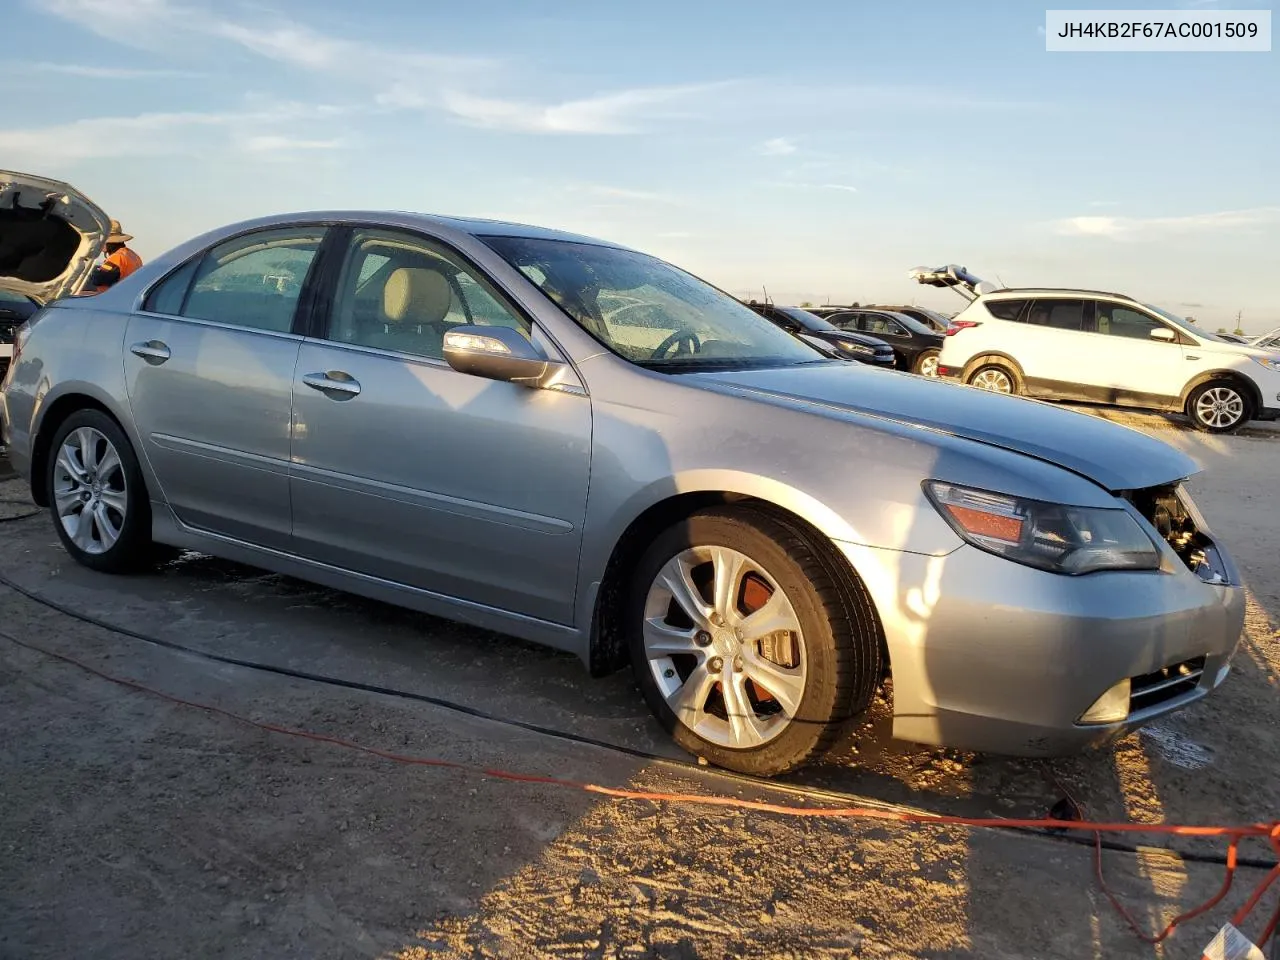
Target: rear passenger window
point(1059, 314)
point(1005, 309)
point(254, 281)
point(168, 296)
point(881, 326)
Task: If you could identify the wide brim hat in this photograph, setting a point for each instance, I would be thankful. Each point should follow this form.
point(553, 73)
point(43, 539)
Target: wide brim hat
point(117, 235)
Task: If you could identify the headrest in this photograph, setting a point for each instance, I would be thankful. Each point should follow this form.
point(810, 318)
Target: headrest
point(416, 294)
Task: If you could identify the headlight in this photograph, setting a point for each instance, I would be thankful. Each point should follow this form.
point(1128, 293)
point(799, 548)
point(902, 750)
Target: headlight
point(1048, 536)
point(850, 347)
point(1268, 362)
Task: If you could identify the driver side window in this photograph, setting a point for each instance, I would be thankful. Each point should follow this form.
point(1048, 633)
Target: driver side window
point(1118, 321)
point(402, 292)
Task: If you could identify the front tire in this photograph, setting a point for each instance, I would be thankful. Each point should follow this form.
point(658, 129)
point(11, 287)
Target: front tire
point(1219, 406)
point(97, 496)
point(750, 644)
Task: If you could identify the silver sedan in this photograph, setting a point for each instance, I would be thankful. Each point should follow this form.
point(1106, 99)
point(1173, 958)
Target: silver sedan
point(575, 443)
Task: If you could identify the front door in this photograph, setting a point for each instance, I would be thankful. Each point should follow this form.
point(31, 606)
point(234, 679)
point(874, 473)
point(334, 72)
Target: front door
point(209, 364)
point(1132, 368)
point(407, 470)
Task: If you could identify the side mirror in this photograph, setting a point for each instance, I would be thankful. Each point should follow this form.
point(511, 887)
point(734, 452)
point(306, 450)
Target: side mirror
point(497, 353)
point(1163, 334)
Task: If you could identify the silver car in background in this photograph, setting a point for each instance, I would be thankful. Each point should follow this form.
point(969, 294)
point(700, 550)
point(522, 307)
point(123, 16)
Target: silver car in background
point(575, 443)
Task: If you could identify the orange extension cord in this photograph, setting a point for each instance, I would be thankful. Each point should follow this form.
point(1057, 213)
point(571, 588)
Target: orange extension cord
point(1268, 831)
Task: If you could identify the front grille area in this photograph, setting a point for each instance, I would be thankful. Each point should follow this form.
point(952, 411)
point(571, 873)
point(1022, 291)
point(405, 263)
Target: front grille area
point(1164, 508)
point(8, 331)
point(1164, 685)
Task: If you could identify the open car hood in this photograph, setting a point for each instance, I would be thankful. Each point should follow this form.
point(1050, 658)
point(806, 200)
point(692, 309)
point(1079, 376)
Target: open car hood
point(956, 277)
point(50, 236)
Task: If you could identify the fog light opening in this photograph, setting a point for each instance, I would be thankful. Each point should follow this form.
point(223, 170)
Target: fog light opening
point(1111, 707)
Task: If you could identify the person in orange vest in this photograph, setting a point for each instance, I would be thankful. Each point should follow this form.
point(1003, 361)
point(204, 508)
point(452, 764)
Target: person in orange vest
point(120, 262)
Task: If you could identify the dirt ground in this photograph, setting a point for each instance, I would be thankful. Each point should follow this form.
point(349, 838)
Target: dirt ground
point(132, 826)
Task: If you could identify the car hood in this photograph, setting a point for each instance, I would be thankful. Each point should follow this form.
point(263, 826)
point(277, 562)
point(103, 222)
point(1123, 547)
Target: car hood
point(1113, 456)
point(50, 236)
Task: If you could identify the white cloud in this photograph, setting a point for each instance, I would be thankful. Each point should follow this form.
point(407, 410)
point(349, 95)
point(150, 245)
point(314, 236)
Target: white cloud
point(1133, 228)
point(612, 113)
point(274, 143)
point(159, 134)
point(626, 193)
point(166, 26)
point(108, 73)
point(1104, 203)
point(800, 185)
point(777, 147)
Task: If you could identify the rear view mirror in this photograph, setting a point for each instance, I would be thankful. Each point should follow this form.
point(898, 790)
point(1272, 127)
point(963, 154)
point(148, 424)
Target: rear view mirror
point(497, 353)
point(1163, 334)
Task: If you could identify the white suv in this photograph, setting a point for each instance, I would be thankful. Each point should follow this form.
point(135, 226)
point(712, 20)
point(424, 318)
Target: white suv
point(1108, 348)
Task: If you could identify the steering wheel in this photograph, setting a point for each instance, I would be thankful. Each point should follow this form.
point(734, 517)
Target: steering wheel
point(675, 340)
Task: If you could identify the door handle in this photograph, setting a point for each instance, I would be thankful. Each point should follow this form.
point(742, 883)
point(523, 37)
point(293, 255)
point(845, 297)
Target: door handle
point(335, 382)
point(1192, 356)
point(153, 351)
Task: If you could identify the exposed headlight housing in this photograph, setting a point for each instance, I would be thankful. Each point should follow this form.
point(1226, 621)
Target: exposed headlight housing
point(1047, 536)
point(1268, 362)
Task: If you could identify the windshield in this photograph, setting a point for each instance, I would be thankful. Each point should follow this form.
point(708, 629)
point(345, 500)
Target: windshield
point(648, 311)
point(810, 321)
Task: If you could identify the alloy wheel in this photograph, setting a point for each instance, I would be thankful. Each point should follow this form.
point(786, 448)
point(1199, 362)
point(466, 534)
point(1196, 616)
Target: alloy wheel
point(1219, 408)
point(929, 366)
point(724, 646)
point(993, 380)
point(89, 490)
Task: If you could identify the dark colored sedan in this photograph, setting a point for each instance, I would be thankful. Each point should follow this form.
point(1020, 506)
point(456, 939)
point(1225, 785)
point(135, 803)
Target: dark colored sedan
point(845, 344)
point(930, 318)
point(915, 345)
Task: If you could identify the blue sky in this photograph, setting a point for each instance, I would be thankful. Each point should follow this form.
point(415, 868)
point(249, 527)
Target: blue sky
point(818, 149)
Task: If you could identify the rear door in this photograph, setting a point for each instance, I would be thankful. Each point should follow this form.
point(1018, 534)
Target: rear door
point(209, 366)
point(407, 470)
point(1054, 349)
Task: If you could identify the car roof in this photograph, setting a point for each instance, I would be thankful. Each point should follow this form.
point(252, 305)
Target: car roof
point(1055, 292)
point(883, 310)
point(474, 226)
point(481, 227)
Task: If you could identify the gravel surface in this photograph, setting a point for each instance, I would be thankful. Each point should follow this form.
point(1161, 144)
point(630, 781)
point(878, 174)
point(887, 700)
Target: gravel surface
point(131, 826)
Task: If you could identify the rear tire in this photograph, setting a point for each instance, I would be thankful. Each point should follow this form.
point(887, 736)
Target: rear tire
point(995, 378)
point(761, 704)
point(97, 497)
point(927, 363)
point(1219, 406)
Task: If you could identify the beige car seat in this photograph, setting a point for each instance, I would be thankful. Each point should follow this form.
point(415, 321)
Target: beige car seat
point(415, 302)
